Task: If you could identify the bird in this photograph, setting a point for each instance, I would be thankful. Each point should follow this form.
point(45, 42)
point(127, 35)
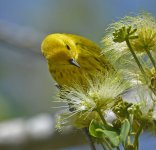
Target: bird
point(74, 60)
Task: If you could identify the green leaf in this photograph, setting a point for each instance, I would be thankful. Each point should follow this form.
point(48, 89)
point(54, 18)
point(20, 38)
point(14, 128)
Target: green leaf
point(125, 128)
point(112, 136)
point(92, 129)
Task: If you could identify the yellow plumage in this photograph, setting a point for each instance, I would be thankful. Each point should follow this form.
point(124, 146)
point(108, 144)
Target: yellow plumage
point(73, 59)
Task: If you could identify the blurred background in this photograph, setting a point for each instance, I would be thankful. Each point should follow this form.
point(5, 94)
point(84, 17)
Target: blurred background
point(27, 90)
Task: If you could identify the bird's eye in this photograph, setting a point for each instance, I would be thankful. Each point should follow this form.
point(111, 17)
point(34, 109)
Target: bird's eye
point(68, 47)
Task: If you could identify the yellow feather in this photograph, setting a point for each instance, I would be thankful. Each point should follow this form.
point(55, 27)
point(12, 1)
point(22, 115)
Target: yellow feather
point(60, 49)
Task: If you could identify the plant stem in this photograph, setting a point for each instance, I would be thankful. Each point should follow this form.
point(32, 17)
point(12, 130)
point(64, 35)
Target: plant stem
point(106, 125)
point(103, 120)
point(108, 145)
point(151, 58)
point(103, 146)
point(101, 116)
point(153, 90)
point(154, 64)
point(136, 59)
point(129, 140)
point(136, 138)
point(89, 139)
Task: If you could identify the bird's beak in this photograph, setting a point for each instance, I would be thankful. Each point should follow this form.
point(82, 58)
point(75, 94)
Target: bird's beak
point(73, 62)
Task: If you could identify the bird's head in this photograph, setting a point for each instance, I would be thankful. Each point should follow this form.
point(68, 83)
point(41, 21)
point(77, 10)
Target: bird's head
point(60, 49)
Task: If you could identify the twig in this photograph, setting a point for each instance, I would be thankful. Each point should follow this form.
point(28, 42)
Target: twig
point(89, 139)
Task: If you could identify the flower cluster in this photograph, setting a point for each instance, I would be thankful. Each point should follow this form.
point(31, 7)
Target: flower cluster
point(132, 44)
point(118, 105)
point(103, 94)
point(144, 26)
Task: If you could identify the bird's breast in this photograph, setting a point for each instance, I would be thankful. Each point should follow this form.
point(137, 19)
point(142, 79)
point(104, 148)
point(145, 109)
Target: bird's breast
point(72, 76)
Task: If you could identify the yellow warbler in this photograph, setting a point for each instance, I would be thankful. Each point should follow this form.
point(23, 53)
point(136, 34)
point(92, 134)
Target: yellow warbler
point(73, 59)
